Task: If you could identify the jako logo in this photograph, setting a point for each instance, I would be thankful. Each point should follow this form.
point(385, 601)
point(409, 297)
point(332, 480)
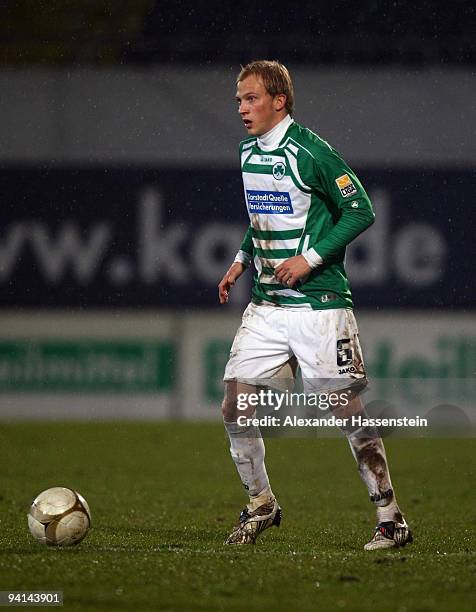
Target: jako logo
point(269, 202)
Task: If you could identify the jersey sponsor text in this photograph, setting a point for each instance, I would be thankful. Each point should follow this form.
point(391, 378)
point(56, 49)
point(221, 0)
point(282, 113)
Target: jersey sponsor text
point(269, 202)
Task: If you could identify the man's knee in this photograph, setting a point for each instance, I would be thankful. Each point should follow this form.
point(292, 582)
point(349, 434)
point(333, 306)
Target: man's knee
point(229, 408)
point(234, 391)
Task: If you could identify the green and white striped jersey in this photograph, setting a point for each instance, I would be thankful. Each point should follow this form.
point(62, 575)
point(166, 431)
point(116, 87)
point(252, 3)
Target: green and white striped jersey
point(301, 198)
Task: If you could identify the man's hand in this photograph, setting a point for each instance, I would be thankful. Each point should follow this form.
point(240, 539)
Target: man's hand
point(292, 270)
point(227, 282)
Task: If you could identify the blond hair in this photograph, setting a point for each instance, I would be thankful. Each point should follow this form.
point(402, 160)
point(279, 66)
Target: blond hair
point(275, 77)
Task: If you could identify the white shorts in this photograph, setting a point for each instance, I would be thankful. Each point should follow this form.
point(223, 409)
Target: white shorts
point(325, 344)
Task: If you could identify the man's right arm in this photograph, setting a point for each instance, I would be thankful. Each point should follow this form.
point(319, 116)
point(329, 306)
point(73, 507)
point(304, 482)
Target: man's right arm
point(245, 252)
point(241, 262)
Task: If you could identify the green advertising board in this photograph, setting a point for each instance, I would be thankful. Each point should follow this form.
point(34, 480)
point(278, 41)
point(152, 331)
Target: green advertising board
point(86, 366)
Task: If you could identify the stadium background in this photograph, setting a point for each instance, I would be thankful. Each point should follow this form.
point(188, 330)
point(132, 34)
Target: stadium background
point(121, 204)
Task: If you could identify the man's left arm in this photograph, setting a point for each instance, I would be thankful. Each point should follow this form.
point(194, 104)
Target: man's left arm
point(349, 204)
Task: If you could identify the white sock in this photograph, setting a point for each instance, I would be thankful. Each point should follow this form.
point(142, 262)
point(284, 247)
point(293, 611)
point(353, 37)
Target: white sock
point(247, 451)
point(264, 497)
point(374, 472)
point(389, 513)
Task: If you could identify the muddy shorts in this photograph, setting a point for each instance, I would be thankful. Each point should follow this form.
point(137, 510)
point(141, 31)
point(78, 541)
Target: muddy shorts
point(272, 340)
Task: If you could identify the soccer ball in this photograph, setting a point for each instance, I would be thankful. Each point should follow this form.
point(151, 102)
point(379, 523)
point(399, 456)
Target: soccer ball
point(59, 517)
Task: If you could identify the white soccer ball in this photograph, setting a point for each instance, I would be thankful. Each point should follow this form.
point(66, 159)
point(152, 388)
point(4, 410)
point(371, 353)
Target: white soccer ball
point(59, 517)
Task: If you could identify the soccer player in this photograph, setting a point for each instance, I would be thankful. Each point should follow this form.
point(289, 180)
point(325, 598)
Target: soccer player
point(305, 206)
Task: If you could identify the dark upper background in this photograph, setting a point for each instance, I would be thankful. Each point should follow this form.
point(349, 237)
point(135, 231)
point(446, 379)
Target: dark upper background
point(81, 228)
point(350, 32)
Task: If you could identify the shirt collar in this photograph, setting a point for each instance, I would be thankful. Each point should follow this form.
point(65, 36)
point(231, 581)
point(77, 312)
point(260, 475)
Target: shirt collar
point(271, 140)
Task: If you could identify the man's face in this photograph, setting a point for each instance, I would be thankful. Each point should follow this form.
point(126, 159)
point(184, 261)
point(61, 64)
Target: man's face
point(260, 111)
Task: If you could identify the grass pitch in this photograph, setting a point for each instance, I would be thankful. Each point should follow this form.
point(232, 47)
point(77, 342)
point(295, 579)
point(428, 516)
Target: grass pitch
point(164, 496)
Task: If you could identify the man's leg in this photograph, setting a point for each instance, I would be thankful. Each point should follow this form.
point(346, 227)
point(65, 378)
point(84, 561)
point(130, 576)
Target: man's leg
point(246, 445)
point(247, 451)
point(260, 355)
point(369, 452)
point(326, 344)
